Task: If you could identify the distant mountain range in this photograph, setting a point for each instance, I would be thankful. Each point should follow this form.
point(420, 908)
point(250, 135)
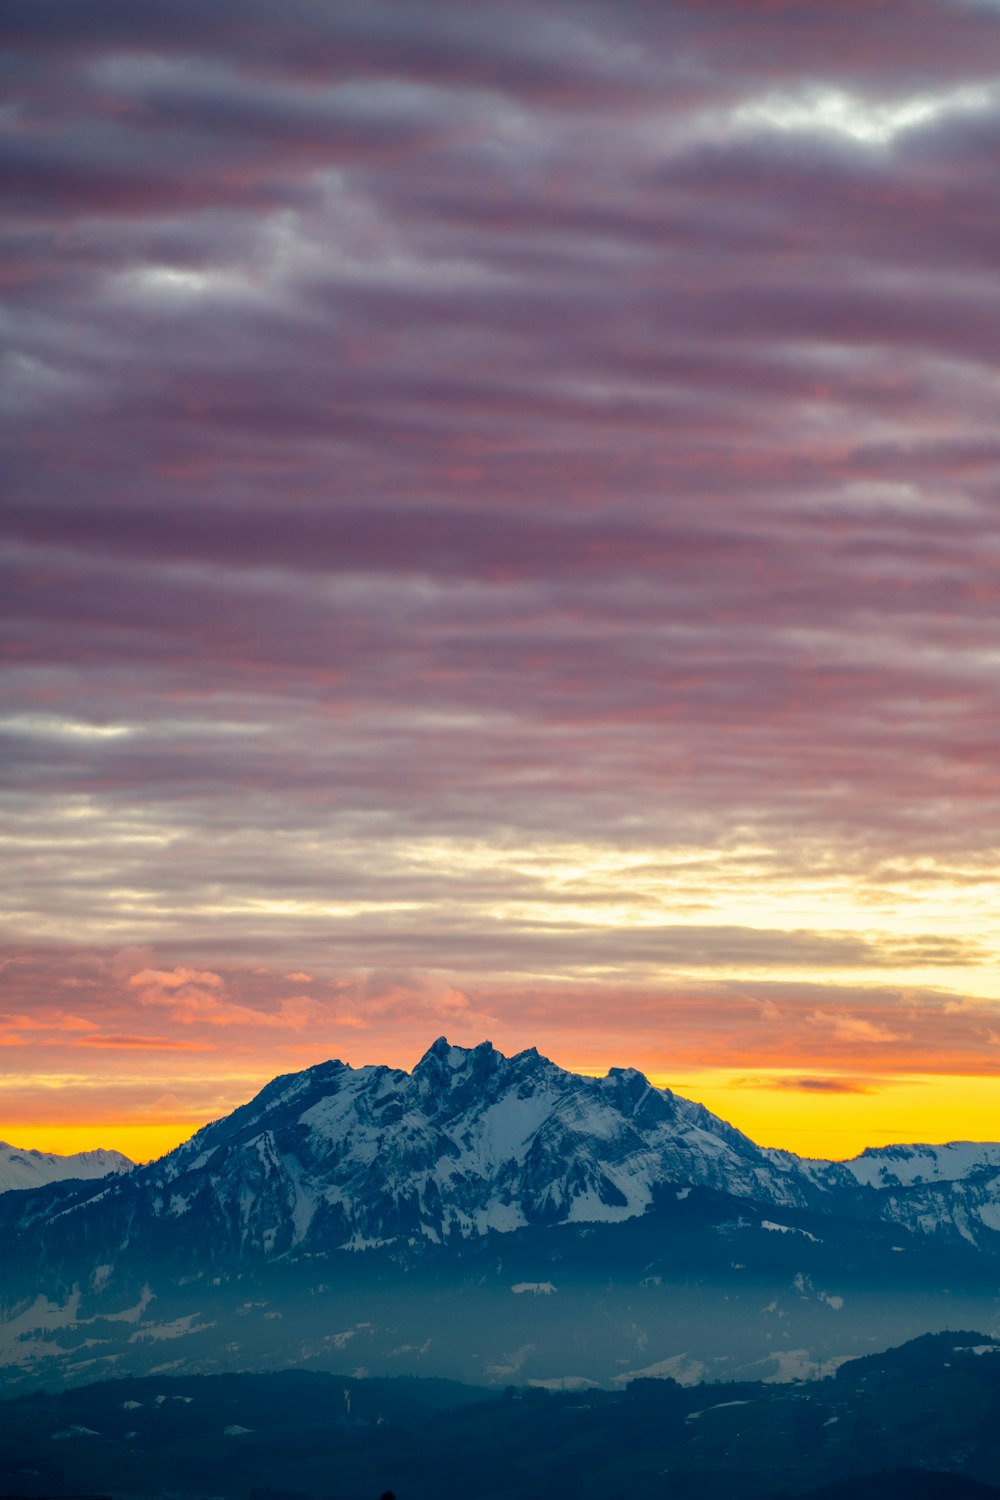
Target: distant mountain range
point(484, 1216)
point(21, 1168)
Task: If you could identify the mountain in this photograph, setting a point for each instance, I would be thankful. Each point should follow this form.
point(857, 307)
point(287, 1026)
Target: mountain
point(21, 1168)
point(471, 1141)
point(951, 1190)
point(486, 1216)
point(906, 1166)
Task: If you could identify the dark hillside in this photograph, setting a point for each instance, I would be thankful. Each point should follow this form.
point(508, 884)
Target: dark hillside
point(930, 1409)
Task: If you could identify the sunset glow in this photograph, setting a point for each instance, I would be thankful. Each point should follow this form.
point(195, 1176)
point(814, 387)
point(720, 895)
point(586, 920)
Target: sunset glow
point(500, 540)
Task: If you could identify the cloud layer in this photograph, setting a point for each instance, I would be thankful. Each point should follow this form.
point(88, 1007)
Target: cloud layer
point(502, 497)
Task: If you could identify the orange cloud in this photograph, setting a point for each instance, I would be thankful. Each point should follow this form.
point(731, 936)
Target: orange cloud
point(201, 997)
point(77, 1023)
point(854, 1028)
point(175, 989)
point(136, 1042)
point(810, 1085)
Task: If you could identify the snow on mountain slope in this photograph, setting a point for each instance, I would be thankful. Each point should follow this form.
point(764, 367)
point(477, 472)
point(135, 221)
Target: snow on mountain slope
point(907, 1166)
point(951, 1190)
point(355, 1206)
point(470, 1141)
point(22, 1168)
point(968, 1207)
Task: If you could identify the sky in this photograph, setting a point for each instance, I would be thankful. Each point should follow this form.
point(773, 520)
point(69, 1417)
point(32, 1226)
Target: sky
point(500, 540)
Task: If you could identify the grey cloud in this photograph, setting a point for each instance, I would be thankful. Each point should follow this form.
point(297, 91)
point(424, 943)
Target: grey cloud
point(496, 443)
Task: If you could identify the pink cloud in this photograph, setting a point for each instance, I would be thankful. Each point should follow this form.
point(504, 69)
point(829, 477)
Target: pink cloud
point(553, 442)
point(854, 1028)
point(139, 1042)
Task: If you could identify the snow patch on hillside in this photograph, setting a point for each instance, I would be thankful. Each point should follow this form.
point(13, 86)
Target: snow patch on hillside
point(906, 1166)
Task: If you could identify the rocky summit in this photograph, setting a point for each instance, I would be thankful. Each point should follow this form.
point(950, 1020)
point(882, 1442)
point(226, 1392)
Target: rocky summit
point(470, 1141)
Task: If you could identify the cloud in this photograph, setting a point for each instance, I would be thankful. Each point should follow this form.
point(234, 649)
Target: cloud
point(140, 1042)
point(824, 1085)
point(156, 986)
point(854, 1028)
point(509, 507)
point(193, 997)
point(829, 1085)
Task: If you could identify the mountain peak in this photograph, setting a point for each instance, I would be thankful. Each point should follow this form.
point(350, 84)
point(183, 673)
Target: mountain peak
point(471, 1141)
point(444, 1054)
point(445, 1066)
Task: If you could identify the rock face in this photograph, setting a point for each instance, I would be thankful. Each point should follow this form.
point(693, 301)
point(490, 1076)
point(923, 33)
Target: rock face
point(21, 1168)
point(470, 1141)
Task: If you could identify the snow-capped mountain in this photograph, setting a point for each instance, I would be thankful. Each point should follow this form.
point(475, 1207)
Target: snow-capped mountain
point(342, 1158)
point(494, 1205)
point(22, 1168)
point(469, 1141)
point(472, 1141)
point(909, 1166)
point(949, 1190)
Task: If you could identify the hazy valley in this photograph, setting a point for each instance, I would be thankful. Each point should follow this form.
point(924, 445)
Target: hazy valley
point(921, 1420)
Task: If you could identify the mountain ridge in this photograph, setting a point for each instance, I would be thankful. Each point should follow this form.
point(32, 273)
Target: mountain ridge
point(485, 1214)
point(693, 1146)
point(472, 1140)
point(22, 1167)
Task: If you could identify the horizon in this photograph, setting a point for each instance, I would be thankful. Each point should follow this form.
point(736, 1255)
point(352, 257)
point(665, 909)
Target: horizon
point(66, 1140)
point(501, 535)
